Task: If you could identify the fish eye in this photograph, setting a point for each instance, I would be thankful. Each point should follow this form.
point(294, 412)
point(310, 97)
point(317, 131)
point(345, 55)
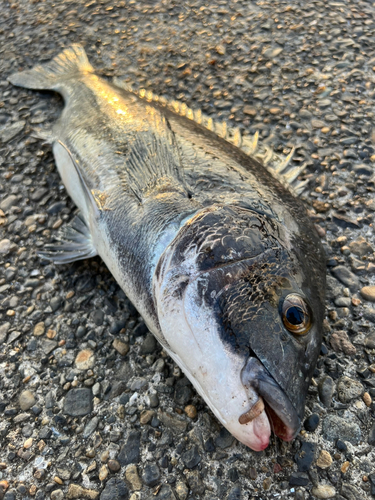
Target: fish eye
point(296, 314)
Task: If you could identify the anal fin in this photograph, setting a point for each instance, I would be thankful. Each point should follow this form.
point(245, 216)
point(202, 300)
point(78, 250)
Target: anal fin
point(74, 242)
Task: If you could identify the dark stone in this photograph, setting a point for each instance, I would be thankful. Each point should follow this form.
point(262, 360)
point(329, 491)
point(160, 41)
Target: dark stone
point(346, 277)
point(363, 169)
point(372, 482)
point(233, 474)
point(326, 388)
point(98, 317)
point(148, 345)
point(305, 456)
point(55, 208)
point(234, 493)
point(371, 436)
point(115, 489)
point(78, 402)
point(166, 492)
point(183, 395)
point(117, 325)
point(55, 303)
point(299, 479)
point(151, 475)
point(38, 194)
point(335, 427)
point(312, 422)
point(341, 446)
point(130, 451)
point(45, 433)
point(140, 329)
point(344, 222)
point(209, 445)
point(10, 495)
point(191, 457)
point(224, 439)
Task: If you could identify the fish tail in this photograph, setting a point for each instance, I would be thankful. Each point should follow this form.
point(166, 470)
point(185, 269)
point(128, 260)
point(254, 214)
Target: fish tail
point(54, 74)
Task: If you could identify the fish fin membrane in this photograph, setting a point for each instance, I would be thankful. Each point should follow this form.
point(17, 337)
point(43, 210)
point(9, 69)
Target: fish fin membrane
point(73, 243)
point(278, 165)
point(52, 75)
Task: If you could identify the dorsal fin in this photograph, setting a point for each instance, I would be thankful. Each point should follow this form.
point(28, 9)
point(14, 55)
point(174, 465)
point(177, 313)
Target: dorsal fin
point(276, 164)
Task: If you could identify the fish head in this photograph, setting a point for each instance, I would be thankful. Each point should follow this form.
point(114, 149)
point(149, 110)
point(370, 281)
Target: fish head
point(241, 312)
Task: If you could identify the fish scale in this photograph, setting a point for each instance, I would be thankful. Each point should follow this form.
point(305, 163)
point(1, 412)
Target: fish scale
point(218, 256)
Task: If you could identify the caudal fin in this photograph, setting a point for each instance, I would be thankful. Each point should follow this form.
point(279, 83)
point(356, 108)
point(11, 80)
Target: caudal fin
point(53, 74)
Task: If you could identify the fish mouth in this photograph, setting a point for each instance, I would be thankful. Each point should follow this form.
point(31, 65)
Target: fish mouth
point(271, 399)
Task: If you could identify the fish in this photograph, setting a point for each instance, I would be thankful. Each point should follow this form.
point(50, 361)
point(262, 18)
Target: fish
point(201, 228)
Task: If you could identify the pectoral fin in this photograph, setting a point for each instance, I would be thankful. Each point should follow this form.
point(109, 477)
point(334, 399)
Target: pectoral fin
point(74, 242)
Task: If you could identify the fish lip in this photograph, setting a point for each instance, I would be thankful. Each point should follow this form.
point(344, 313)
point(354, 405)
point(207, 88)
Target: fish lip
point(279, 409)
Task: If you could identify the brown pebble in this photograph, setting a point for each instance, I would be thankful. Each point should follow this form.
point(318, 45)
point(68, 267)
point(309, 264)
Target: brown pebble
point(114, 465)
point(85, 359)
point(146, 416)
point(345, 466)
point(191, 411)
point(368, 293)
point(58, 480)
point(340, 342)
point(367, 399)
point(267, 483)
point(69, 295)
point(324, 460)
point(4, 485)
point(365, 479)
point(356, 302)
point(3, 465)
point(32, 490)
point(51, 334)
point(121, 347)
point(253, 473)
point(103, 473)
point(90, 453)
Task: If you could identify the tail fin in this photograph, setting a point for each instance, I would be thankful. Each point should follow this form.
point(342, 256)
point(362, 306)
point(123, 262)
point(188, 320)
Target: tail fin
point(52, 75)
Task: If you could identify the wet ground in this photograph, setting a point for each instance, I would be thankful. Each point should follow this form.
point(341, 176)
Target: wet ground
point(90, 406)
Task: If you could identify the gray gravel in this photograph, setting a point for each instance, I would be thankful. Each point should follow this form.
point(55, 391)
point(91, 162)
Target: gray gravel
point(90, 406)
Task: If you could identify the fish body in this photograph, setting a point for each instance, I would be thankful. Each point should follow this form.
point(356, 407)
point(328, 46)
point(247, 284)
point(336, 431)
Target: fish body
point(218, 257)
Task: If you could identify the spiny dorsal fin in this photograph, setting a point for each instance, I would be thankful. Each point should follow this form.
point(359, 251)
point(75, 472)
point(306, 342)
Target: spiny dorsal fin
point(276, 164)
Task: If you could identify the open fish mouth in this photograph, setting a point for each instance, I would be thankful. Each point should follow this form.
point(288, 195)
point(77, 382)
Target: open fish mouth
point(271, 399)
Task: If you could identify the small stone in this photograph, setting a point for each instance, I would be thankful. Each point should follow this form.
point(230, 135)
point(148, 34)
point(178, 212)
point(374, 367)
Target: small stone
point(113, 465)
point(165, 493)
point(299, 479)
point(368, 293)
point(191, 411)
point(346, 277)
point(57, 495)
point(224, 439)
point(130, 451)
point(78, 402)
point(85, 359)
point(5, 246)
point(324, 460)
point(115, 489)
point(26, 400)
point(360, 247)
point(312, 422)
point(267, 483)
point(182, 490)
point(148, 345)
point(103, 473)
point(173, 422)
point(191, 457)
point(76, 492)
point(367, 399)
point(323, 491)
point(340, 343)
point(39, 329)
point(8, 202)
point(151, 475)
point(146, 416)
point(250, 111)
point(335, 427)
point(28, 443)
point(121, 347)
point(305, 456)
point(131, 475)
point(345, 466)
point(326, 388)
point(348, 389)
point(350, 492)
point(234, 493)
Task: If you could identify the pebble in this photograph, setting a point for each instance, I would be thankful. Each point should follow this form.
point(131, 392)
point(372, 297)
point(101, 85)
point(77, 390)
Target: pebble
point(234, 493)
point(8, 202)
point(57, 495)
point(360, 247)
point(323, 491)
point(85, 359)
point(115, 489)
point(130, 451)
point(324, 460)
point(335, 427)
point(191, 411)
point(311, 423)
point(78, 402)
point(340, 342)
point(305, 456)
point(345, 466)
point(165, 493)
point(39, 329)
point(173, 422)
point(151, 475)
point(326, 388)
point(348, 389)
point(368, 293)
point(5, 246)
point(113, 465)
point(182, 490)
point(191, 457)
point(103, 473)
point(224, 439)
point(121, 347)
point(131, 475)
point(148, 346)
point(299, 479)
point(346, 277)
point(77, 492)
point(367, 399)
point(26, 400)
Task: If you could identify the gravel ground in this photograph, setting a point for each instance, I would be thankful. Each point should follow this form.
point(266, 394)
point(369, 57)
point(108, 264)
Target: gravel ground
point(90, 405)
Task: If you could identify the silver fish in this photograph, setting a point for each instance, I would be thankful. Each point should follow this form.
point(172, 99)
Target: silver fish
point(216, 254)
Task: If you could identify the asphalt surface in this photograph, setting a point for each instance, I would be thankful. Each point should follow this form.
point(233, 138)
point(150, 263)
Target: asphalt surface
point(90, 406)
